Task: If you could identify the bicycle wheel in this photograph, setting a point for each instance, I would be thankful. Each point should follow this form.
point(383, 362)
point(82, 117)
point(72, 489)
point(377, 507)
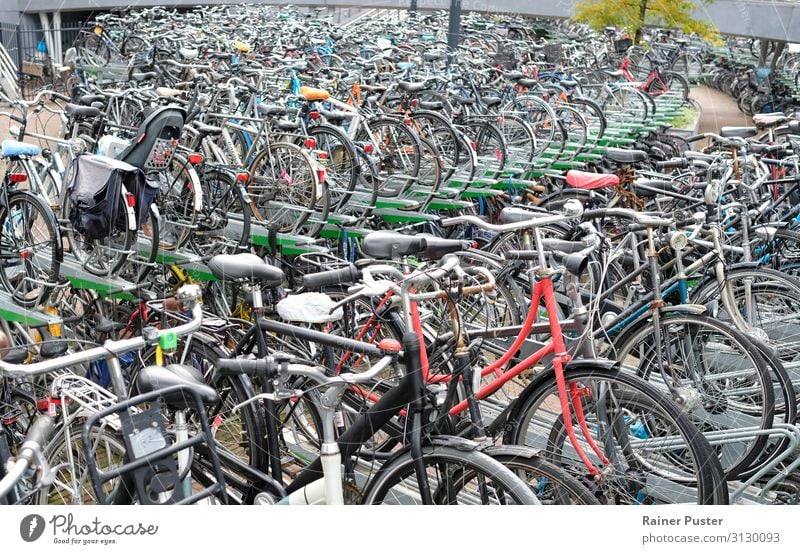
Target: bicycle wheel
point(519, 136)
point(283, 186)
point(655, 453)
point(539, 115)
point(341, 165)
point(592, 114)
point(239, 432)
point(455, 477)
point(488, 143)
point(179, 200)
point(30, 248)
point(437, 129)
point(676, 83)
point(223, 225)
point(92, 50)
point(551, 484)
point(134, 44)
point(72, 484)
point(766, 305)
point(396, 146)
point(715, 370)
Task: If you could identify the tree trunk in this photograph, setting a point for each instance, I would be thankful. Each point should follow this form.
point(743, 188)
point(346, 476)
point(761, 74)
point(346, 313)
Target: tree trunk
point(637, 37)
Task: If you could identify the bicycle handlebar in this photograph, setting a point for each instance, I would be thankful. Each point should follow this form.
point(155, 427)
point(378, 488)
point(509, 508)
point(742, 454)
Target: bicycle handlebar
point(575, 211)
point(187, 295)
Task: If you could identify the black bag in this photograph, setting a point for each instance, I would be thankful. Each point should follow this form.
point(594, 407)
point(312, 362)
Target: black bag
point(95, 195)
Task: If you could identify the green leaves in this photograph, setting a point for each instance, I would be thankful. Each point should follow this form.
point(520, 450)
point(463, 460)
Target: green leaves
point(627, 15)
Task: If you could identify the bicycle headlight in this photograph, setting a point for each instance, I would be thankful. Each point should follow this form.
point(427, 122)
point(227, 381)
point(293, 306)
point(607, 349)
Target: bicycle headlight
point(678, 241)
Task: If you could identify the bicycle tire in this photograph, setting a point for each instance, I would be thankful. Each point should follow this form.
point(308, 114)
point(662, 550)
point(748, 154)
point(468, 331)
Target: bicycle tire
point(30, 264)
point(465, 466)
point(696, 471)
point(713, 346)
point(551, 484)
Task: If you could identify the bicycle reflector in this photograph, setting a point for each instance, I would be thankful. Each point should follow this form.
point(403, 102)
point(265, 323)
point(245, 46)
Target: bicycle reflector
point(414, 102)
point(368, 148)
point(322, 155)
point(407, 121)
point(313, 115)
point(195, 158)
point(17, 177)
point(130, 199)
point(311, 142)
point(242, 177)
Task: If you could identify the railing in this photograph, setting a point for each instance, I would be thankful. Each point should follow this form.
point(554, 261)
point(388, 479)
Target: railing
point(31, 57)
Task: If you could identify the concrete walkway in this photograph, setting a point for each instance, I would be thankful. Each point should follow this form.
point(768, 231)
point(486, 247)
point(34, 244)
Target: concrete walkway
point(718, 110)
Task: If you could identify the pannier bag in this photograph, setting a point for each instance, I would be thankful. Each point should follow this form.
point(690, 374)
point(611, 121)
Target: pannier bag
point(95, 191)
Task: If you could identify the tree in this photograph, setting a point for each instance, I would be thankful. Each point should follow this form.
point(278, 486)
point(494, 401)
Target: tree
point(633, 15)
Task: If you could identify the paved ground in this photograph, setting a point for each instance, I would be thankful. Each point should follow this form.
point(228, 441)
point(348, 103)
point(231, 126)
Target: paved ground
point(719, 110)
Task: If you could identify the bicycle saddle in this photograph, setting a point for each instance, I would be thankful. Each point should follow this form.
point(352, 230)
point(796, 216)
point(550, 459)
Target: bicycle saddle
point(310, 93)
point(189, 53)
point(153, 378)
point(623, 156)
point(82, 111)
point(245, 267)
point(89, 99)
point(769, 119)
point(431, 105)
point(12, 149)
point(591, 181)
point(309, 307)
point(166, 92)
point(525, 82)
point(408, 86)
point(388, 245)
point(738, 132)
point(613, 72)
point(650, 188)
point(513, 75)
point(432, 56)
point(567, 83)
point(490, 101)
point(144, 76)
point(270, 109)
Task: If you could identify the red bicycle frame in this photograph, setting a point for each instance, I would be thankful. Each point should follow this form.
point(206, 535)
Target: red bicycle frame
point(542, 292)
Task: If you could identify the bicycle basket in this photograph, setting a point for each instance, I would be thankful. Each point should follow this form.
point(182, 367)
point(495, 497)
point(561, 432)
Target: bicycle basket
point(622, 45)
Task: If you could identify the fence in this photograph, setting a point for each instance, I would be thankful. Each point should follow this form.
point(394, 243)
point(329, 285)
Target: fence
point(37, 54)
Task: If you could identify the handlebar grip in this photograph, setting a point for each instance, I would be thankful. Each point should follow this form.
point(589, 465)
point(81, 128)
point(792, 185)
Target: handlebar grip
point(345, 275)
point(41, 430)
point(680, 163)
point(594, 214)
point(238, 366)
point(526, 255)
point(695, 138)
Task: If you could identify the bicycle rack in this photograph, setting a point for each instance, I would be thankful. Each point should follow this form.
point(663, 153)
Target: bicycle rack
point(11, 311)
point(106, 285)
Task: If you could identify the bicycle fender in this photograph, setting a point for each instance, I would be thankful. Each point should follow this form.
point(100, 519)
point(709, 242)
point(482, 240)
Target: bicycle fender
point(695, 309)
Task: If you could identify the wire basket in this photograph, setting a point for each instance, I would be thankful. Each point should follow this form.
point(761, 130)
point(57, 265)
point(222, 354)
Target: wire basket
point(161, 155)
point(622, 45)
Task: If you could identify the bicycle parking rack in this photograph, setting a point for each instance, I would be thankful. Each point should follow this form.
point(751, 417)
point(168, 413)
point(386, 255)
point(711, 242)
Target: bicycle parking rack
point(13, 312)
point(79, 278)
